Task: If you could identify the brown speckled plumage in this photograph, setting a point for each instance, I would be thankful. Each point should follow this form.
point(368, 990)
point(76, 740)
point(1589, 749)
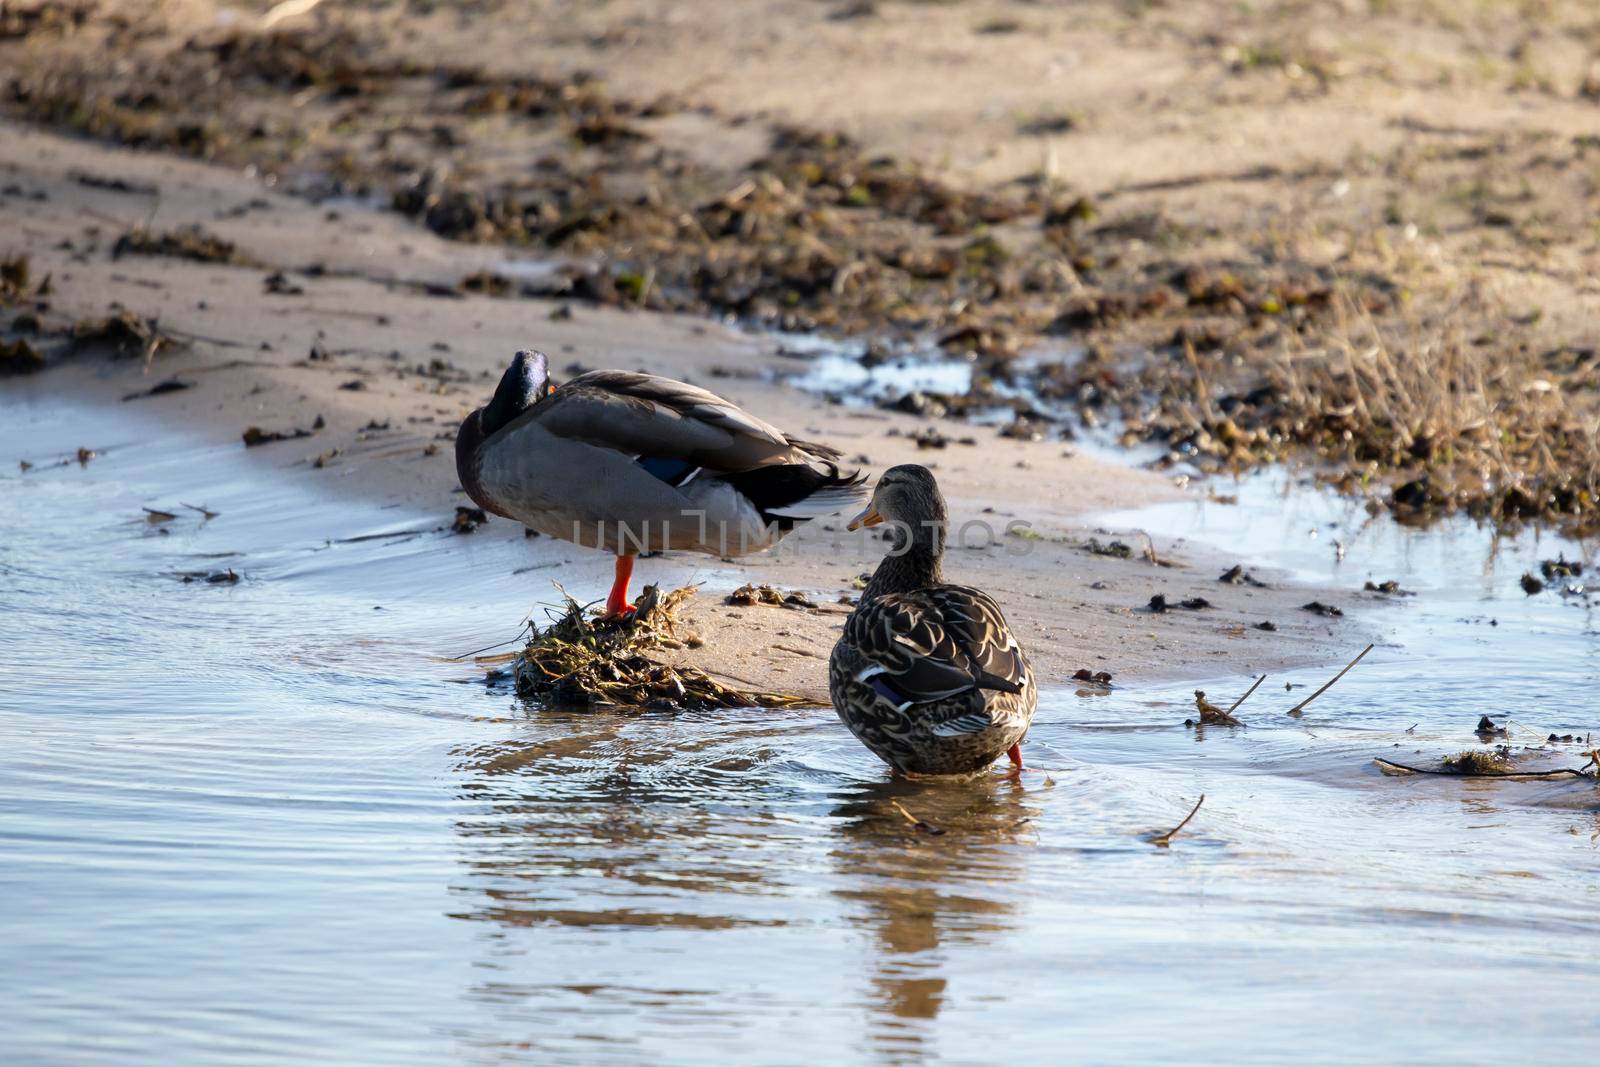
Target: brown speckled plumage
point(927, 674)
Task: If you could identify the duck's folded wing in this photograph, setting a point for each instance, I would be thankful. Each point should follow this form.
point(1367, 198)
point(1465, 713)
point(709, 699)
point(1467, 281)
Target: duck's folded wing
point(645, 415)
point(935, 644)
point(974, 622)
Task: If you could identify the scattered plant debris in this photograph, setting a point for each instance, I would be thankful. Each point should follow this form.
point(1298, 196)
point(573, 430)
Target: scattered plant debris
point(115, 185)
point(1267, 626)
point(1210, 714)
point(1560, 567)
point(14, 274)
point(1531, 585)
point(278, 284)
point(125, 334)
point(585, 660)
point(1389, 588)
point(1159, 604)
point(186, 242)
point(1116, 549)
point(1237, 575)
point(1317, 607)
point(487, 283)
point(921, 825)
point(1486, 728)
point(227, 577)
point(1084, 674)
point(19, 357)
point(255, 435)
point(1478, 763)
point(751, 595)
point(468, 520)
point(1165, 840)
point(168, 385)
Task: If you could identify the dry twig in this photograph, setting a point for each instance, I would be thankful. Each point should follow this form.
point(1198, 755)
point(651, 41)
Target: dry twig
point(1390, 767)
point(1247, 693)
point(1298, 708)
point(921, 824)
point(1164, 840)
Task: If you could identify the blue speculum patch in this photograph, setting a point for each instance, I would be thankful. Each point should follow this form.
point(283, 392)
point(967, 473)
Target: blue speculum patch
point(671, 471)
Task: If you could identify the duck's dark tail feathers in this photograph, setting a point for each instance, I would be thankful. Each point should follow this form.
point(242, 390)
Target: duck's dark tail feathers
point(791, 493)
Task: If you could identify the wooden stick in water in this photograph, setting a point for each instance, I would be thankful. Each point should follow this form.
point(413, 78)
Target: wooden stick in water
point(1163, 840)
point(1247, 693)
point(1296, 710)
point(921, 824)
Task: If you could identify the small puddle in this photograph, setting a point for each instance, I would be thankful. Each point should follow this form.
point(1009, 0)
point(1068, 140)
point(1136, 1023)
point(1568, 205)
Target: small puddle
point(836, 371)
point(270, 815)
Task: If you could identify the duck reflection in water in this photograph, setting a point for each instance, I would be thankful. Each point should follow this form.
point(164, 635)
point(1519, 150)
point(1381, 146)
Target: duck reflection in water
point(944, 883)
point(645, 872)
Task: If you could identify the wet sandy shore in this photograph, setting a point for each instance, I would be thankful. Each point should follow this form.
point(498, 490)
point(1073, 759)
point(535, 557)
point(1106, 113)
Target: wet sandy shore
point(333, 322)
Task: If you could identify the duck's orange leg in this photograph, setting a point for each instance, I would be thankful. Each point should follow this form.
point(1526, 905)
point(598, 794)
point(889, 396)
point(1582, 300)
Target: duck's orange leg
point(617, 603)
point(1015, 753)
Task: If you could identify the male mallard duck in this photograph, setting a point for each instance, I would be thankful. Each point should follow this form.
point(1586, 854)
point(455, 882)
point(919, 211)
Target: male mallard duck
point(633, 463)
point(927, 675)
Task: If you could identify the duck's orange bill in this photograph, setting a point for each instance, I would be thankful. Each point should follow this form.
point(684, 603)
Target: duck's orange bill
point(868, 517)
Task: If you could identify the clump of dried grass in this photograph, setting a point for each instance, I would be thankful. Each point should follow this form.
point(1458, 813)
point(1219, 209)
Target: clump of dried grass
point(1452, 421)
point(582, 659)
point(1478, 761)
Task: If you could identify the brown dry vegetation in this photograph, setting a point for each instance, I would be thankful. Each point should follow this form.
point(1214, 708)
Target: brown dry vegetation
point(1359, 230)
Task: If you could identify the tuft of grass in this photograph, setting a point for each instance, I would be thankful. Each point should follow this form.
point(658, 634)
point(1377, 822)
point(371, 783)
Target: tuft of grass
point(1453, 422)
point(1477, 761)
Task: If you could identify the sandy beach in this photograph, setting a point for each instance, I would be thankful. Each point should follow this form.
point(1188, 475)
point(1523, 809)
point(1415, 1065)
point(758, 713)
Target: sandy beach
point(1350, 233)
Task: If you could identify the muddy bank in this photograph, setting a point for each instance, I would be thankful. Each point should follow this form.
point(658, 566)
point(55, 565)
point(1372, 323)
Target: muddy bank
point(1264, 241)
point(356, 376)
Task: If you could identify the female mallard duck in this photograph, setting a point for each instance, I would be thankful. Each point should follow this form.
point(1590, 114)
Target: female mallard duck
point(927, 675)
point(632, 463)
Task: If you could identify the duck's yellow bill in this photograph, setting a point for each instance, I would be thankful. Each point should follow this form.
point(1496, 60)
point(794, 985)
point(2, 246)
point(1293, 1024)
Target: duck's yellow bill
point(868, 517)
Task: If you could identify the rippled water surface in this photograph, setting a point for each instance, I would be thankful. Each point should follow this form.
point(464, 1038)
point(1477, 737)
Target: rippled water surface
point(273, 821)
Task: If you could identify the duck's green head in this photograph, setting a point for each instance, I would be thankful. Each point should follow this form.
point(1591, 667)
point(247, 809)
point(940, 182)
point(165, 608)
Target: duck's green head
point(524, 384)
point(906, 495)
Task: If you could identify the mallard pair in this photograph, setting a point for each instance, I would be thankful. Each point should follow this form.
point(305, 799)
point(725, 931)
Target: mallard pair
point(927, 675)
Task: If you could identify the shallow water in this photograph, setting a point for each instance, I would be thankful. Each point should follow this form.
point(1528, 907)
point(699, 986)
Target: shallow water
point(271, 820)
